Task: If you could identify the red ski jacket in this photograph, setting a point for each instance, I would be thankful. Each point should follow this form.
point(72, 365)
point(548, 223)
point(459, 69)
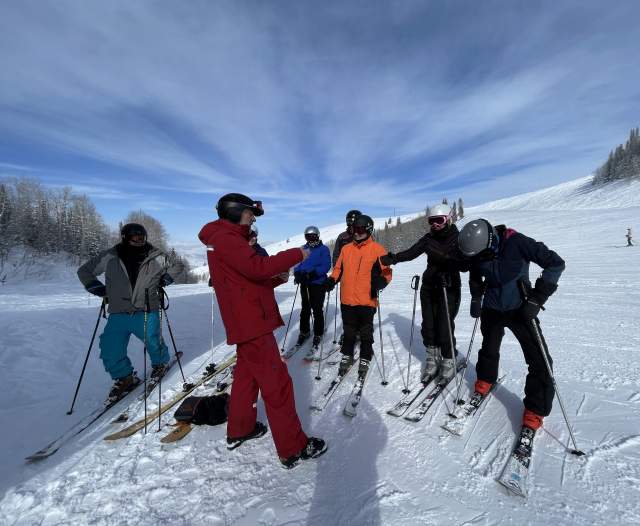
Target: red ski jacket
point(244, 281)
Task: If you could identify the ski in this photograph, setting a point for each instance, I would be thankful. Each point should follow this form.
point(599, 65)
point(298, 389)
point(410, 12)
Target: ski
point(515, 474)
point(351, 407)
point(408, 398)
point(139, 424)
point(419, 412)
point(322, 401)
point(77, 428)
point(312, 354)
point(464, 413)
point(291, 351)
point(178, 432)
point(151, 385)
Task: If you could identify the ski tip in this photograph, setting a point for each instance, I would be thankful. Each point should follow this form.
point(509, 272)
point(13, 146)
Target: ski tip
point(578, 453)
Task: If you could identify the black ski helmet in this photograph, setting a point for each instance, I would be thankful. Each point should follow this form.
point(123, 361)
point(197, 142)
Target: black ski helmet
point(363, 222)
point(231, 206)
point(351, 216)
point(477, 237)
point(132, 229)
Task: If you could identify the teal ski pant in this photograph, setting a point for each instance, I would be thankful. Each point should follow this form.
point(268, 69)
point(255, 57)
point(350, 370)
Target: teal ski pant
point(115, 339)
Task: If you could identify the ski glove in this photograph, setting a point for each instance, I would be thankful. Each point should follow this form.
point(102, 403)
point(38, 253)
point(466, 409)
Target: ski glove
point(443, 279)
point(166, 280)
point(476, 307)
point(329, 284)
point(97, 289)
point(297, 277)
point(377, 284)
point(388, 259)
point(536, 299)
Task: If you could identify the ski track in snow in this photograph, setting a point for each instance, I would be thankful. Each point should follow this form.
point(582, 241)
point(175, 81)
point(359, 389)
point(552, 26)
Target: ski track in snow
point(379, 469)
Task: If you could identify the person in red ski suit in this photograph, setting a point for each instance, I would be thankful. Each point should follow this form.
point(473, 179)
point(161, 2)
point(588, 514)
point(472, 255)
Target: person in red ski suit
point(244, 283)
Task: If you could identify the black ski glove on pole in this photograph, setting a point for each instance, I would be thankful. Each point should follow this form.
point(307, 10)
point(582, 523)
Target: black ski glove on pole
point(329, 284)
point(536, 299)
point(388, 259)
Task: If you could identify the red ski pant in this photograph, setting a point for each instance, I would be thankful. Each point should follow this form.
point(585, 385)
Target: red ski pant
point(259, 367)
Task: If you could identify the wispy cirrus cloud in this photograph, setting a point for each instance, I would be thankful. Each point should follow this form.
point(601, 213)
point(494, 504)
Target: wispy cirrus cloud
point(317, 108)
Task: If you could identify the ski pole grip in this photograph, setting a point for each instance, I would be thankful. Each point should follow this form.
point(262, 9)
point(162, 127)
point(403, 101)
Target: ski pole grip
point(415, 282)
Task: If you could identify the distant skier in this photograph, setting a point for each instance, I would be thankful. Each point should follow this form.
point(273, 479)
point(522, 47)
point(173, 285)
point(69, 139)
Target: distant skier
point(253, 241)
point(131, 267)
point(629, 237)
point(444, 263)
point(361, 278)
point(244, 283)
point(311, 275)
point(500, 259)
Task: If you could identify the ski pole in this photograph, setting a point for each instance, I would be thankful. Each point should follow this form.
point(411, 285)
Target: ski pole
point(165, 308)
point(415, 282)
point(290, 314)
point(101, 313)
point(535, 323)
point(324, 329)
point(335, 315)
point(466, 363)
point(213, 295)
point(384, 377)
point(146, 319)
point(446, 312)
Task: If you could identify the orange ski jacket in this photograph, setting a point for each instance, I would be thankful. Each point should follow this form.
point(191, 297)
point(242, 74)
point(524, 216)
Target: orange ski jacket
point(357, 269)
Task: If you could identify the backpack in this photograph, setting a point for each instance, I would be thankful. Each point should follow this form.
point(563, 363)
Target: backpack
point(199, 410)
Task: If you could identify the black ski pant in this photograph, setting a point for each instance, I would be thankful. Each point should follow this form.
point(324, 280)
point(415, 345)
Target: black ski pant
point(538, 389)
point(435, 326)
point(312, 300)
point(358, 321)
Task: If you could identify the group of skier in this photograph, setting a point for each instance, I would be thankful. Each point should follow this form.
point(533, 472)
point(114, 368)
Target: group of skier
point(244, 277)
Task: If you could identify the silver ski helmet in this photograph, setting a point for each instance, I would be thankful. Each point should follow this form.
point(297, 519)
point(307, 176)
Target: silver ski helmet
point(439, 216)
point(231, 206)
point(312, 235)
point(477, 237)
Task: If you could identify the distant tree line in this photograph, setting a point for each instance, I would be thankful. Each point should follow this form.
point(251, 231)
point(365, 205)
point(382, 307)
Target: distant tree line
point(47, 221)
point(623, 162)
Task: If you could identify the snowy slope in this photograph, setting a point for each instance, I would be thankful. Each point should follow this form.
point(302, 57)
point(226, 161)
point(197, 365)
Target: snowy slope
point(378, 470)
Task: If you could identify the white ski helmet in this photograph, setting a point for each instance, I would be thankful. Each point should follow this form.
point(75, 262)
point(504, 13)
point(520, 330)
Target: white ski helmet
point(439, 216)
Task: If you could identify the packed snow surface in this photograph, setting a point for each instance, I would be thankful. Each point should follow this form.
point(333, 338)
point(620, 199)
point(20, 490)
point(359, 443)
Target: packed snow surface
point(379, 469)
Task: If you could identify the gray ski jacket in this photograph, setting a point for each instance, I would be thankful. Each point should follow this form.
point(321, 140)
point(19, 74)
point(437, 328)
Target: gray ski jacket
point(122, 298)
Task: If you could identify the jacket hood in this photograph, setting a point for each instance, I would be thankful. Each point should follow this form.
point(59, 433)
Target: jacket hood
point(221, 226)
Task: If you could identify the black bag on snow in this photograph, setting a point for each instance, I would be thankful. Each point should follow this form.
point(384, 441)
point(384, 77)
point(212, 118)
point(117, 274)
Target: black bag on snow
point(199, 410)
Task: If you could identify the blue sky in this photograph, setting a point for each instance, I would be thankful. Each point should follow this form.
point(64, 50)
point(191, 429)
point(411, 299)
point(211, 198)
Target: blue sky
point(313, 107)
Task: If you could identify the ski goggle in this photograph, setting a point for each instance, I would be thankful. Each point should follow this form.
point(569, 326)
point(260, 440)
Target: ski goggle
point(438, 221)
point(312, 238)
point(360, 230)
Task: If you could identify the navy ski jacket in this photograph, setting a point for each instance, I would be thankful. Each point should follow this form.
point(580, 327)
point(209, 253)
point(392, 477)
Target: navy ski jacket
point(319, 261)
point(501, 275)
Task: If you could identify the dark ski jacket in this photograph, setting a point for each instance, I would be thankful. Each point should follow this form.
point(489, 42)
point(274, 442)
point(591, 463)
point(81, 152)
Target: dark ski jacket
point(244, 281)
point(122, 294)
point(501, 275)
point(343, 239)
point(444, 259)
point(319, 262)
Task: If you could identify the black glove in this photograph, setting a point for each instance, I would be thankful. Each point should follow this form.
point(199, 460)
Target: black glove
point(389, 259)
point(536, 299)
point(210, 283)
point(475, 307)
point(443, 279)
point(297, 277)
point(329, 284)
point(310, 276)
point(377, 284)
point(476, 288)
point(97, 289)
point(166, 280)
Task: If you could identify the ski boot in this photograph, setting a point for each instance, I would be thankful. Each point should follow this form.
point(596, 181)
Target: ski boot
point(257, 432)
point(314, 448)
point(363, 367)
point(158, 371)
point(430, 367)
point(316, 342)
point(122, 386)
point(447, 371)
point(302, 337)
point(345, 364)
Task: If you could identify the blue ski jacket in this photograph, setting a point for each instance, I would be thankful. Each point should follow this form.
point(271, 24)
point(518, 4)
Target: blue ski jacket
point(319, 262)
point(501, 275)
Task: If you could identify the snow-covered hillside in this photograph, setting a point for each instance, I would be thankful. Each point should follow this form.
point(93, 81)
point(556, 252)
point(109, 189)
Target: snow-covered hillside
point(379, 469)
